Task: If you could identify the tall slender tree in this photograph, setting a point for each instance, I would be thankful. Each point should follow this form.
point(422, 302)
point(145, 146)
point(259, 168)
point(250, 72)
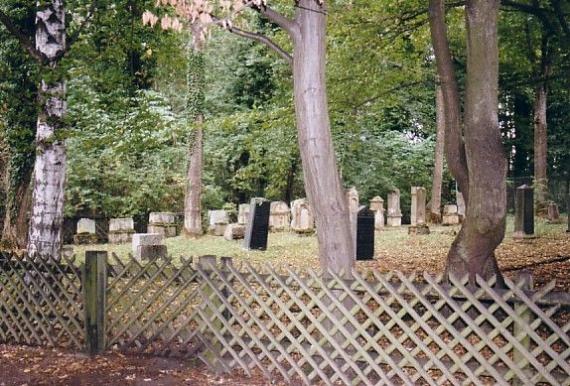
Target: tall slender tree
point(475, 158)
point(435, 209)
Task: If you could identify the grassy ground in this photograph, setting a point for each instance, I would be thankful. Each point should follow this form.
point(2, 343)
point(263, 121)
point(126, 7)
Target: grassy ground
point(394, 250)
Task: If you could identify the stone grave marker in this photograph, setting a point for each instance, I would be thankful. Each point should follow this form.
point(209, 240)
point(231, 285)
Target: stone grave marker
point(353, 207)
point(243, 213)
point(394, 218)
point(302, 220)
point(418, 212)
point(121, 230)
point(258, 225)
point(86, 232)
point(163, 223)
point(148, 245)
point(279, 216)
point(365, 225)
point(234, 232)
point(377, 206)
point(218, 220)
point(450, 215)
point(524, 213)
point(553, 213)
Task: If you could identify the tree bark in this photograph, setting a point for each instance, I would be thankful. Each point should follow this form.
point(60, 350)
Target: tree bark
point(477, 162)
point(540, 147)
point(44, 239)
point(454, 146)
point(195, 111)
point(321, 177)
point(484, 225)
point(435, 209)
point(16, 218)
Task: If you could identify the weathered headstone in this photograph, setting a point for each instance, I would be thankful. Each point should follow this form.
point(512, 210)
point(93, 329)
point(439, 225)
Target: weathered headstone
point(450, 215)
point(365, 234)
point(302, 221)
point(353, 207)
point(394, 218)
point(234, 232)
point(524, 212)
point(460, 204)
point(418, 210)
point(279, 216)
point(86, 232)
point(217, 222)
point(553, 213)
point(258, 225)
point(163, 223)
point(377, 206)
point(141, 240)
point(121, 230)
point(243, 213)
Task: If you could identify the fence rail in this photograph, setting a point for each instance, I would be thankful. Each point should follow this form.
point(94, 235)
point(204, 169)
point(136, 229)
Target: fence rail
point(297, 326)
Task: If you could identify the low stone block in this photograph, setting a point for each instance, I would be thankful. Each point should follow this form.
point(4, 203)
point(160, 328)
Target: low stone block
point(85, 225)
point(234, 232)
point(166, 230)
point(219, 229)
point(149, 252)
point(162, 218)
point(450, 215)
point(139, 239)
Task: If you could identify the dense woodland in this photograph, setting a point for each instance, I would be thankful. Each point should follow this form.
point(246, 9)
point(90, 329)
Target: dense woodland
point(134, 92)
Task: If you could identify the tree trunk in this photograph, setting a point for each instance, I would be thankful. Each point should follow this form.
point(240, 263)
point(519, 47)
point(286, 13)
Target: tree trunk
point(322, 181)
point(435, 215)
point(477, 162)
point(540, 148)
point(18, 204)
point(454, 146)
point(483, 230)
point(49, 169)
point(195, 111)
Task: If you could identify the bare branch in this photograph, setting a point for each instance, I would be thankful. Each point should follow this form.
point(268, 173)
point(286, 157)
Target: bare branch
point(24, 40)
point(287, 24)
point(264, 40)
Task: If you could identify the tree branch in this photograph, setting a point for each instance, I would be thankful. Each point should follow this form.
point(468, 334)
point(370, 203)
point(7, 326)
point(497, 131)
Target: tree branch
point(73, 37)
point(264, 40)
point(24, 40)
point(287, 24)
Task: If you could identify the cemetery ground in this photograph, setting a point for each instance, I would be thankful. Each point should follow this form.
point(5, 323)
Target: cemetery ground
point(547, 256)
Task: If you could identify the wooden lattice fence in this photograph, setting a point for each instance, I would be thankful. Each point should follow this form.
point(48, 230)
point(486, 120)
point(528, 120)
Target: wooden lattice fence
point(371, 329)
point(41, 302)
point(292, 326)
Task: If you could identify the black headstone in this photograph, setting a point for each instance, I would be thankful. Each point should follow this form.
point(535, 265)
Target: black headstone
point(258, 225)
point(524, 211)
point(365, 234)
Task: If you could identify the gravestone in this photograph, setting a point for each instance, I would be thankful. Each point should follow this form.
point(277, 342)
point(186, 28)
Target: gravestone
point(418, 210)
point(553, 213)
point(163, 223)
point(365, 225)
point(257, 225)
point(450, 215)
point(234, 232)
point(353, 208)
point(302, 220)
point(279, 216)
point(377, 206)
point(460, 205)
point(243, 214)
point(121, 230)
point(217, 222)
point(154, 240)
point(524, 213)
point(394, 218)
point(86, 232)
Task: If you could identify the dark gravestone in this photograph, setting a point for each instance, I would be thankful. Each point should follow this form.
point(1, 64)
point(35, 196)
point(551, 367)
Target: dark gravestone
point(151, 252)
point(258, 224)
point(365, 234)
point(524, 212)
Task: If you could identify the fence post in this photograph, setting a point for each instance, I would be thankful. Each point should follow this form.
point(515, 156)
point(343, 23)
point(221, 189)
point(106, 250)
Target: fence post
point(524, 313)
point(94, 289)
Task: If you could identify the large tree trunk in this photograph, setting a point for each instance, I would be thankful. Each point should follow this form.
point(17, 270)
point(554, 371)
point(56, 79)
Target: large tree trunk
point(49, 169)
point(435, 210)
point(540, 147)
point(484, 185)
point(18, 204)
point(484, 226)
point(322, 181)
point(195, 107)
